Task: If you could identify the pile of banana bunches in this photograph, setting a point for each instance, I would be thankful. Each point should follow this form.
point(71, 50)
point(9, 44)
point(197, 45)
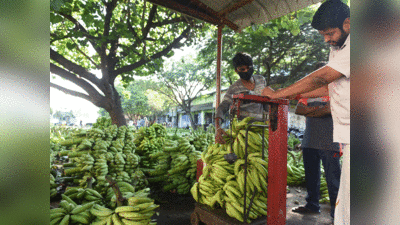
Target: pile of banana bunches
point(93, 160)
point(107, 151)
point(177, 162)
point(222, 184)
point(149, 140)
point(87, 206)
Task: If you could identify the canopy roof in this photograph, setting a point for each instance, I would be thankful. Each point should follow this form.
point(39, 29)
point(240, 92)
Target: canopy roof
point(236, 14)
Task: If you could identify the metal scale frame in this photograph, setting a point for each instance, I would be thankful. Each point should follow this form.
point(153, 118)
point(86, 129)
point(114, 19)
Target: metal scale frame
point(277, 165)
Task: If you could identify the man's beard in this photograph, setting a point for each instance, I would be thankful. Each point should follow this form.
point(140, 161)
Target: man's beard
point(341, 40)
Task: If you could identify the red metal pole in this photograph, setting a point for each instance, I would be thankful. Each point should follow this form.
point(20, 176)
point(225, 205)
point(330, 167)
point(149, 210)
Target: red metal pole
point(219, 58)
point(277, 169)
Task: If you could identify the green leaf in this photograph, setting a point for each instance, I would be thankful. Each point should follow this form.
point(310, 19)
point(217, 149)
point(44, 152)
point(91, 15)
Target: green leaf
point(70, 45)
point(56, 4)
point(55, 18)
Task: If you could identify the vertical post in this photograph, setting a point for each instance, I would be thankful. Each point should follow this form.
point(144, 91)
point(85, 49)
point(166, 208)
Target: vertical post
point(219, 58)
point(277, 166)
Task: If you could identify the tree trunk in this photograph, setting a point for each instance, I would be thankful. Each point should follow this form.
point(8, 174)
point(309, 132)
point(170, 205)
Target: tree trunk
point(116, 112)
point(191, 117)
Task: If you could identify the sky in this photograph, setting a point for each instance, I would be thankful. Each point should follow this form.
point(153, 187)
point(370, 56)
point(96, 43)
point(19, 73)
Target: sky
point(83, 109)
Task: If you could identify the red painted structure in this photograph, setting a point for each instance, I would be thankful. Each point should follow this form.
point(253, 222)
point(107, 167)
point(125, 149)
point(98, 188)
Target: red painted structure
point(277, 155)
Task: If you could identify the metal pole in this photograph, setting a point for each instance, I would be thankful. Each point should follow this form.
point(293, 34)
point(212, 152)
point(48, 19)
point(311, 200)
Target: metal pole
point(219, 58)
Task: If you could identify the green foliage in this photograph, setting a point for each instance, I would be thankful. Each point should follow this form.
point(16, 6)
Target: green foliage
point(286, 49)
point(182, 82)
point(118, 39)
point(127, 26)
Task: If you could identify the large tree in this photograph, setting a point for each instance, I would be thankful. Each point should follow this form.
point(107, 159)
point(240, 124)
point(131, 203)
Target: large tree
point(183, 81)
point(283, 50)
point(116, 37)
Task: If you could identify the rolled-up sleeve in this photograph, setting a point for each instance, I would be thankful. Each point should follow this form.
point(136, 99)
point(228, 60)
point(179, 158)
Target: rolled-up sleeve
point(224, 105)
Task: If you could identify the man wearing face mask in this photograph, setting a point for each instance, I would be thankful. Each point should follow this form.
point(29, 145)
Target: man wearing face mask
point(249, 84)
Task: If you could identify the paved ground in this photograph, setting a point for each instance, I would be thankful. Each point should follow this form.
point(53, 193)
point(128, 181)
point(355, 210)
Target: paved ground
point(176, 210)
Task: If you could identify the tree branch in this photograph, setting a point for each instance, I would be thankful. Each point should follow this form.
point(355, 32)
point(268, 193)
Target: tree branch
point(84, 31)
point(76, 94)
point(75, 68)
point(76, 80)
point(149, 24)
point(107, 21)
point(166, 22)
point(174, 44)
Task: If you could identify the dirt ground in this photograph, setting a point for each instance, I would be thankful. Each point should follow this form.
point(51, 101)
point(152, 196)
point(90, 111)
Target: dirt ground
point(176, 210)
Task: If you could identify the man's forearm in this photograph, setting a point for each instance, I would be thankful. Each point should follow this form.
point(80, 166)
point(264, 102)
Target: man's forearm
point(313, 81)
point(320, 92)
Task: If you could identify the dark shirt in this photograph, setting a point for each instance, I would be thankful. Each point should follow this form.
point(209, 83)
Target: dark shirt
point(319, 134)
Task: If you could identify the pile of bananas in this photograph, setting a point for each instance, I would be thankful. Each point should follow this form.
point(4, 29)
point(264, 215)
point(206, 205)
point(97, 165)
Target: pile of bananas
point(223, 184)
point(83, 206)
point(295, 169)
point(83, 195)
point(102, 122)
point(139, 210)
point(201, 140)
point(104, 152)
point(131, 162)
point(324, 194)
point(71, 212)
point(177, 165)
point(149, 140)
point(53, 186)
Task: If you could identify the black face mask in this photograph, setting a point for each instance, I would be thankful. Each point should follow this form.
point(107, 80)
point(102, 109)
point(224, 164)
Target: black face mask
point(246, 75)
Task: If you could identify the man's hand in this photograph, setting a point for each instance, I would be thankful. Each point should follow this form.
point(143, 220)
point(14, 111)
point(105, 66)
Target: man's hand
point(218, 136)
point(269, 92)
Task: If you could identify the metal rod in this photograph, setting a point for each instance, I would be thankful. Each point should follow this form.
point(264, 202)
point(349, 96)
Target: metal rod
point(245, 173)
point(219, 57)
point(263, 140)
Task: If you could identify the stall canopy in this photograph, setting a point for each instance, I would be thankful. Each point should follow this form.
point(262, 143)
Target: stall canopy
point(236, 14)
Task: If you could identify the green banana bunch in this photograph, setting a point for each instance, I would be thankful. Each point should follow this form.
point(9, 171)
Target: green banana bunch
point(123, 176)
point(102, 122)
point(83, 195)
point(132, 162)
point(85, 144)
point(119, 162)
point(201, 140)
point(53, 186)
point(85, 162)
point(121, 132)
point(117, 145)
point(70, 212)
point(295, 169)
point(95, 133)
point(100, 147)
point(138, 211)
point(138, 179)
